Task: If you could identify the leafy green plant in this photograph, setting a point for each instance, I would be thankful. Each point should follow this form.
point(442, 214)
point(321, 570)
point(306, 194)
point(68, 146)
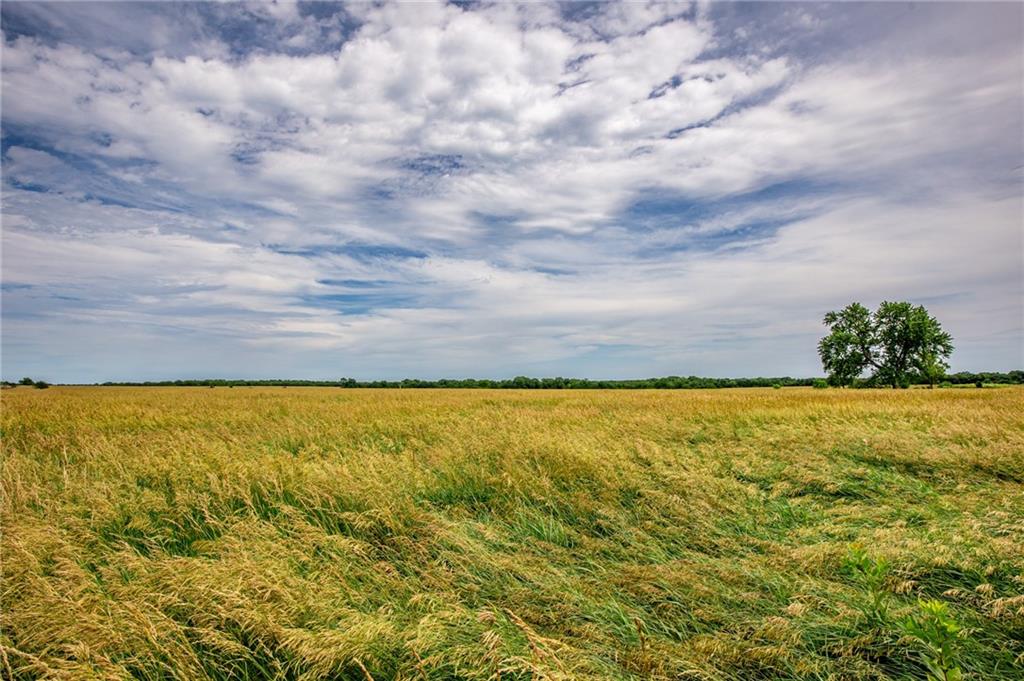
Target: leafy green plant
point(871, 573)
point(819, 383)
point(935, 628)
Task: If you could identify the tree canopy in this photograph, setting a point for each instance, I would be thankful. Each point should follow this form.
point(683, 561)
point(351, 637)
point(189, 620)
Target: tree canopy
point(894, 342)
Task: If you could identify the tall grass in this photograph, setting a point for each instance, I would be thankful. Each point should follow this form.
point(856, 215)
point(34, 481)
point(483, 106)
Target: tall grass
point(253, 533)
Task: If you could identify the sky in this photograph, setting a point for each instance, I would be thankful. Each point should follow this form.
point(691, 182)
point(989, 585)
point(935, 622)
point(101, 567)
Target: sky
point(482, 190)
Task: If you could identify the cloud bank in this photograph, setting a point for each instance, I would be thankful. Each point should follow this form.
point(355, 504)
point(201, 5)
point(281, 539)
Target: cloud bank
point(430, 190)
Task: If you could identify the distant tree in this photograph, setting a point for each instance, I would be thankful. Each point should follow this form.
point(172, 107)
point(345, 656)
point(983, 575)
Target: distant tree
point(27, 381)
point(894, 341)
point(42, 385)
point(849, 349)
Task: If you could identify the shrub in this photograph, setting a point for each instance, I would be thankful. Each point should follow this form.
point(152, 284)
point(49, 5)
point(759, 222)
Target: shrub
point(777, 386)
point(41, 385)
point(945, 384)
point(871, 573)
point(819, 383)
point(935, 628)
point(979, 384)
point(27, 381)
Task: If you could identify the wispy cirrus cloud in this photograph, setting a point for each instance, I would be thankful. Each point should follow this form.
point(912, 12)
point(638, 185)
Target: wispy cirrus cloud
point(429, 189)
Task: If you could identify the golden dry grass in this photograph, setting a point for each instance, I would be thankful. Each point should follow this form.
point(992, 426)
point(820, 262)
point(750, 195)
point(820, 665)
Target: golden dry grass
point(307, 533)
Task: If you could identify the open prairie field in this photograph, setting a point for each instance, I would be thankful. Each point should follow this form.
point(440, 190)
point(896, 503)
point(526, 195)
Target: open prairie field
point(289, 533)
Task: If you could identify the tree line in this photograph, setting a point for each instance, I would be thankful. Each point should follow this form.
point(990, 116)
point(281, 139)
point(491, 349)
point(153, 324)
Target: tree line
point(560, 383)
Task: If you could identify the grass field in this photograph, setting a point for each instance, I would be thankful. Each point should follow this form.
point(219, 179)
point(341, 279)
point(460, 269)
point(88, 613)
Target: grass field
point(251, 533)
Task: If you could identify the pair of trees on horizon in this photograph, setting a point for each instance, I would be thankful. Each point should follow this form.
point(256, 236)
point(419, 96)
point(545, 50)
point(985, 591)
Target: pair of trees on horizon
point(896, 342)
point(38, 384)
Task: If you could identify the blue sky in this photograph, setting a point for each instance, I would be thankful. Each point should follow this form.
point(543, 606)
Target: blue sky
point(439, 190)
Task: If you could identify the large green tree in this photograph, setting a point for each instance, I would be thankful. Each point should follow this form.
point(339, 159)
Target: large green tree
point(897, 340)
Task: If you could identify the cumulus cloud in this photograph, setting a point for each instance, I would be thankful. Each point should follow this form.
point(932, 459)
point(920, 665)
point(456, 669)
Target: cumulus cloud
point(407, 189)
